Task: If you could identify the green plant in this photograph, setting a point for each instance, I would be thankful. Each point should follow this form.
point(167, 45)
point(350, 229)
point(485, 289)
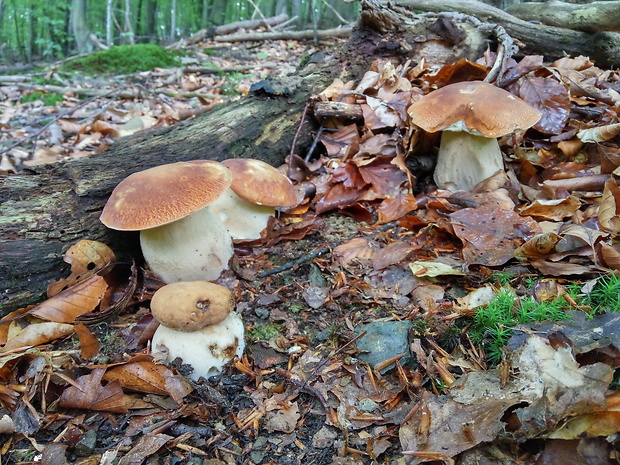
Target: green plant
point(232, 80)
point(263, 331)
point(502, 278)
point(493, 323)
point(48, 98)
point(605, 296)
point(124, 59)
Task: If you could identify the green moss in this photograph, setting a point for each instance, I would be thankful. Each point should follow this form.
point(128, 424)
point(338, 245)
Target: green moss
point(605, 296)
point(48, 99)
point(124, 59)
point(493, 323)
point(263, 331)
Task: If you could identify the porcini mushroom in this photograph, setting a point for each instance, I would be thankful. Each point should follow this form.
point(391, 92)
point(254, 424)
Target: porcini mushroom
point(256, 189)
point(472, 115)
point(197, 325)
point(181, 239)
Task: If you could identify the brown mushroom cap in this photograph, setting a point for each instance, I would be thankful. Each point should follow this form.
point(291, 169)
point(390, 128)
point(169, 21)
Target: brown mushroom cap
point(190, 306)
point(260, 183)
point(164, 194)
point(482, 108)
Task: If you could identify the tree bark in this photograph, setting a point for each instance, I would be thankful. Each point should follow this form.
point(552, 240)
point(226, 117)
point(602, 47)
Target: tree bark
point(591, 17)
point(603, 47)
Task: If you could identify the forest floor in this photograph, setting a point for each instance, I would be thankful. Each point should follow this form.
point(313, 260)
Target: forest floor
point(491, 311)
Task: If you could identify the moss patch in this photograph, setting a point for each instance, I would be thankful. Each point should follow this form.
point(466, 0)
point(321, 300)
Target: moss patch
point(124, 59)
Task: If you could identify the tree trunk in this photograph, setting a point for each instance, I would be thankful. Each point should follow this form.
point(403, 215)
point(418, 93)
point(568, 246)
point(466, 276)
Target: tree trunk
point(81, 34)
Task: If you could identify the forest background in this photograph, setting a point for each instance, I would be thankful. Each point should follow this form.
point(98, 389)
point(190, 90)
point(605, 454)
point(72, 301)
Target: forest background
point(32, 30)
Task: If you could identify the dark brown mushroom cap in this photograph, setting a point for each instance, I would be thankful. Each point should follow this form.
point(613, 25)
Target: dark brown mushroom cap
point(483, 108)
point(164, 194)
point(260, 183)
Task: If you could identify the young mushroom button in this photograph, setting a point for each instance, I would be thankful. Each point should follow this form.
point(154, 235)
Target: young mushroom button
point(472, 115)
point(256, 189)
point(181, 239)
point(197, 326)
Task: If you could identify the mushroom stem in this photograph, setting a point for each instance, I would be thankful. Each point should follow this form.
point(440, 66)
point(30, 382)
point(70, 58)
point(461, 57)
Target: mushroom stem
point(244, 220)
point(194, 248)
point(465, 159)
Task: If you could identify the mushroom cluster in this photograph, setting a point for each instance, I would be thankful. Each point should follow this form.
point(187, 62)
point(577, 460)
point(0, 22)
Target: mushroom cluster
point(472, 115)
point(181, 239)
point(188, 213)
point(197, 325)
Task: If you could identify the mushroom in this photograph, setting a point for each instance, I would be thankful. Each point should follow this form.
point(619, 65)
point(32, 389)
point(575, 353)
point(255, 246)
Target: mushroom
point(256, 189)
point(181, 239)
point(471, 115)
point(197, 325)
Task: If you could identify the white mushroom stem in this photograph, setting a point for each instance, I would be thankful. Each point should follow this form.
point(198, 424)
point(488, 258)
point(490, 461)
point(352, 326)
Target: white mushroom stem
point(244, 220)
point(465, 159)
point(206, 350)
point(194, 248)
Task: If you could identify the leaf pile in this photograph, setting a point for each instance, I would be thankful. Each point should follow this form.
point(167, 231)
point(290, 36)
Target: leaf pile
point(319, 282)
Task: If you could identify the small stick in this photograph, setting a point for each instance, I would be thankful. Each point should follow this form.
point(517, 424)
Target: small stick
point(293, 264)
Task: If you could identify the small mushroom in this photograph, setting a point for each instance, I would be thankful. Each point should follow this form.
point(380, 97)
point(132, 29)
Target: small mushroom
point(197, 325)
point(196, 304)
point(256, 189)
point(181, 239)
point(472, 115)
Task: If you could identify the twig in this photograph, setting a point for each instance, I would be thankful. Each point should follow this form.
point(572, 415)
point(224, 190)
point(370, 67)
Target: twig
point(260, 13)
point(294, 143)
point(293, 264)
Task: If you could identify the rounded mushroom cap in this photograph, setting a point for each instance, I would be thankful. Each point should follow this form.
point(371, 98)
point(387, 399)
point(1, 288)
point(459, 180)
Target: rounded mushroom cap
point(190, 306)
point(260, 183)
point(164, 194)
point(473, 106)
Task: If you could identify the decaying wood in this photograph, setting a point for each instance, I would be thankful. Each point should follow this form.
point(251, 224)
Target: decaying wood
point(589, 17)
point(286, 35)
point(232, 27)
point(603, 46)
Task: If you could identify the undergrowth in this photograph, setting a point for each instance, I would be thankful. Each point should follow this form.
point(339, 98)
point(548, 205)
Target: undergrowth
point(493, 323)
point(124, 59)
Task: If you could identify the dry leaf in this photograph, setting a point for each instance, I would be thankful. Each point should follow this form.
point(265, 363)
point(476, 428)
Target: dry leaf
point(146, 376)
point(91, 395)
point(89, 345)
point(552, 210)
point(37, 333)
point(490, 235)
point(69, 304)
point(609, 208)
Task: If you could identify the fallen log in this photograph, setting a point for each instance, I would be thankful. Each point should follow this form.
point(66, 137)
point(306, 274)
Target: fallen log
point(602, 46)
point(589, 17)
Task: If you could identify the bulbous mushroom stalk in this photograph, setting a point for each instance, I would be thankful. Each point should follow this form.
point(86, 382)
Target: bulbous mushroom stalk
point(472, 115)
point(181, 239)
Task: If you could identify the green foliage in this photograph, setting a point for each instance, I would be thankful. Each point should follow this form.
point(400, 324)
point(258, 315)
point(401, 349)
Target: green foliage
point(263, 331)
point(124, 59)
point(493, 323)
point(230, 86)
point(605, 296)
point(49, 99)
